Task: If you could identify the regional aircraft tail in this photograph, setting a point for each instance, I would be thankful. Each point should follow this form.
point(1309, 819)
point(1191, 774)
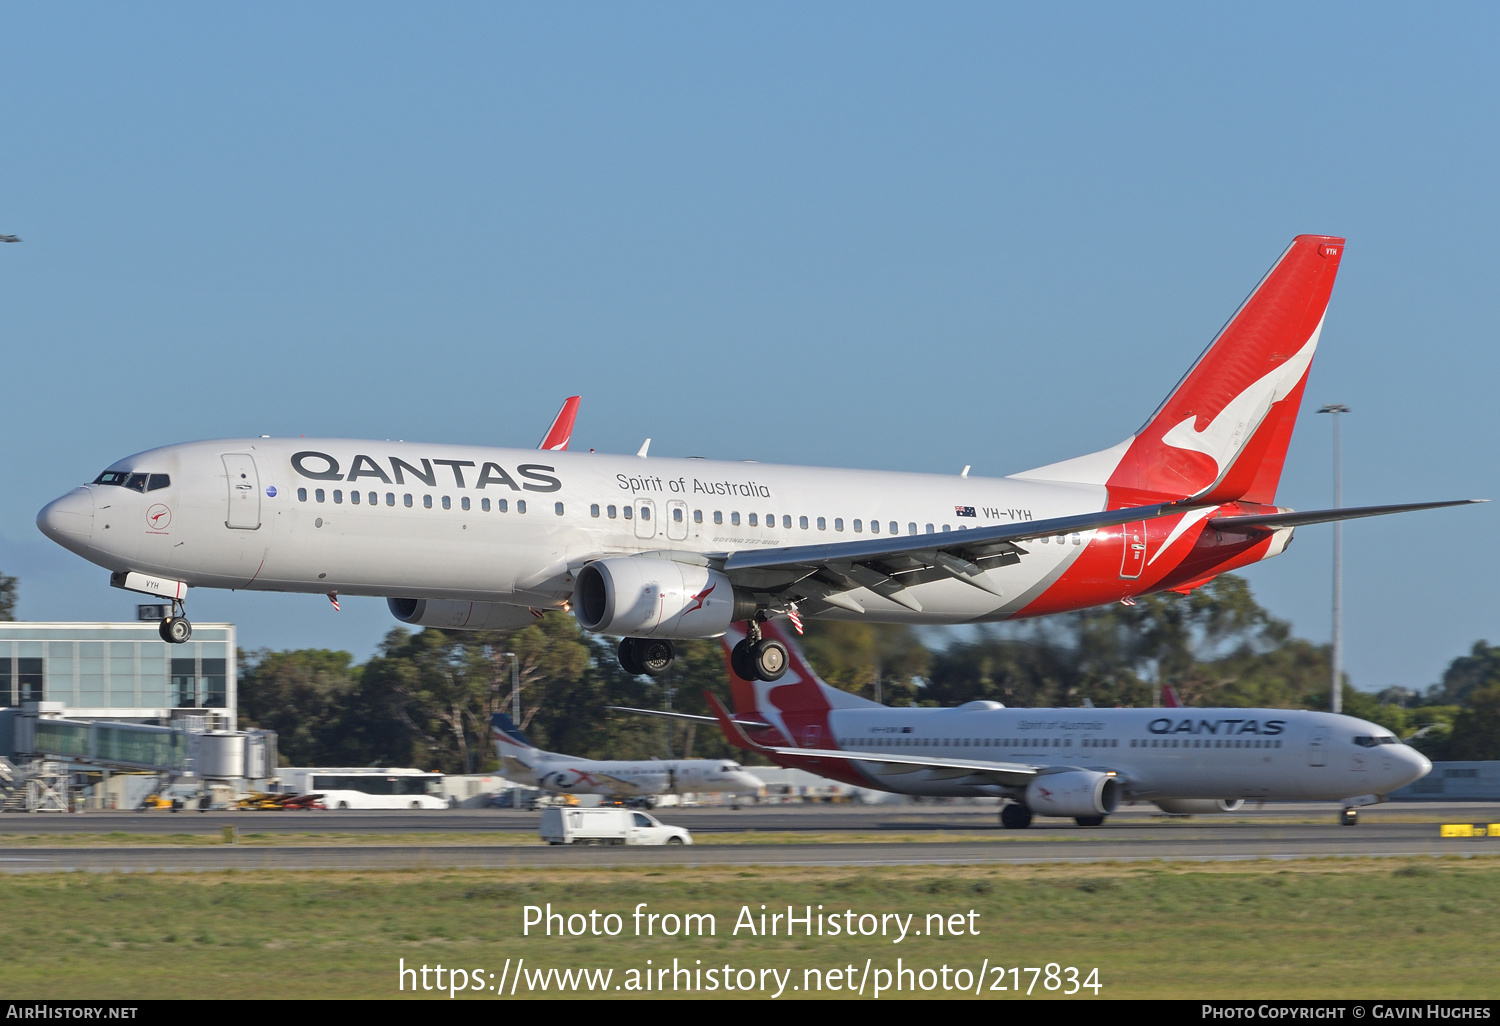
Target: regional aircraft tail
point(1223, 433)
point(510, 743)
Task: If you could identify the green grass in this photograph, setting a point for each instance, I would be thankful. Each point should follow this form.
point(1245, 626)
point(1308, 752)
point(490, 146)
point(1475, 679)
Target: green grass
point(1357, 928)
point(514, 838)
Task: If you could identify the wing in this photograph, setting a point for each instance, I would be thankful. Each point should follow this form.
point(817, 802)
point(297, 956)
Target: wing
point(889, 566)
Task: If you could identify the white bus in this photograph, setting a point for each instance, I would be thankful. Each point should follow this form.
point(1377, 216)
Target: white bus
point(368, 788)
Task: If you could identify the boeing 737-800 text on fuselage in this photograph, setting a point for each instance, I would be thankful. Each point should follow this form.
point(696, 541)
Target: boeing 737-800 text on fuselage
point(654, 549)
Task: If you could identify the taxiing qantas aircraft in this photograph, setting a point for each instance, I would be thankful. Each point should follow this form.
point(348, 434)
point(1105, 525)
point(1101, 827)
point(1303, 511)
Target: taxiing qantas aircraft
point(653, 549)
point(526, 764)
point(1080, 763)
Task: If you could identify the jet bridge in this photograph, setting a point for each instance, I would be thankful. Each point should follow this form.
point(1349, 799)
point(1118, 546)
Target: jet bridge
point(50, 749)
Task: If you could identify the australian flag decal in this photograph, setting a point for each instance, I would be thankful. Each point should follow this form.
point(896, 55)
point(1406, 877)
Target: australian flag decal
point(963, 511)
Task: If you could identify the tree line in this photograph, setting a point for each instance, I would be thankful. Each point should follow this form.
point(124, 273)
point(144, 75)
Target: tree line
point(425, 698)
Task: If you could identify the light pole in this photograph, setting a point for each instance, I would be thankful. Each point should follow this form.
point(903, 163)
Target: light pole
point(515, 687)
point(1336, 698)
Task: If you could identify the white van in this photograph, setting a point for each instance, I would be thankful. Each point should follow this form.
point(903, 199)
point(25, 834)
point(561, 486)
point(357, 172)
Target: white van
point(607, 826)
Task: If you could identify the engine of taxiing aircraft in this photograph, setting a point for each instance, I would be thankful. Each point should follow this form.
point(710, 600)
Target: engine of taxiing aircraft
point(643, 596)
point(1073, 793)
point(1198, 806)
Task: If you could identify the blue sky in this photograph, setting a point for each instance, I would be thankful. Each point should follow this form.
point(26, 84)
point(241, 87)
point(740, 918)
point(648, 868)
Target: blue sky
point(904, 236)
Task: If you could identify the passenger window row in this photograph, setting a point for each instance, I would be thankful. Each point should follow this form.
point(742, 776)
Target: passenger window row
point(1198, 742)
point(755, 520)
point(409, 501)
point(969, 742)
point(611, 512)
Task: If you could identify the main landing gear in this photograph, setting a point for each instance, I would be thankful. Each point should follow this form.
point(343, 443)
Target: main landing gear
point(175, 629)
point(651, 656)
point(757, 658)
point(1015, 816)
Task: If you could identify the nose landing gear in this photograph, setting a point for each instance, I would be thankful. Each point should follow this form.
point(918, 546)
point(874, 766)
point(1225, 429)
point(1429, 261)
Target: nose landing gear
point(175, 629)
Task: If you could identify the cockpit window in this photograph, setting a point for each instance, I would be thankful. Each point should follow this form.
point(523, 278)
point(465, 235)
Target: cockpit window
point(1366, 741)
point(135, 482)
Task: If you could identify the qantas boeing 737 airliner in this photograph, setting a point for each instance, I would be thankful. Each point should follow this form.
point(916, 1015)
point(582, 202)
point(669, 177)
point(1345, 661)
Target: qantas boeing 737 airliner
point(1063, 762)
point(652, 549)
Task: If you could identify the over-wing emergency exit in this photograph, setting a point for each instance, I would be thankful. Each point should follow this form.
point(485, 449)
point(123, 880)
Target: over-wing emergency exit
point(656, 549)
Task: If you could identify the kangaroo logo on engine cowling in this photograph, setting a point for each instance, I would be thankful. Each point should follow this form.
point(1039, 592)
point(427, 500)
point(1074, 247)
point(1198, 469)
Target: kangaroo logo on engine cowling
point(320, 466)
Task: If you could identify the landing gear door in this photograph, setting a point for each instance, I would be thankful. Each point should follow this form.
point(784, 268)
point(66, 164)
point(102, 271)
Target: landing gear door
point(244, 491)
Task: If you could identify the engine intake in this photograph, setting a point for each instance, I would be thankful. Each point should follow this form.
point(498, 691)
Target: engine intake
point(450, 615)
point(1073, 793)
point(647, 597)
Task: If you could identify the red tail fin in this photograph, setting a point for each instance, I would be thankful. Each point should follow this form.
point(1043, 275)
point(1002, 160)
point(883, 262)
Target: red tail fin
point(796, 705)
point(561, 431)
point(1169, 697)
point(1223, 432)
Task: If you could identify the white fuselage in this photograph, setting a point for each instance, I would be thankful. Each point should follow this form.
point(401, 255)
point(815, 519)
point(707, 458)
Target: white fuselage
point(564, 775)
point(512, 525)
point(1275, 754)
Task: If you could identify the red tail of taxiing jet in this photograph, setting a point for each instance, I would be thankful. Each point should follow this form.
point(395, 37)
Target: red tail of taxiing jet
point(790, 712)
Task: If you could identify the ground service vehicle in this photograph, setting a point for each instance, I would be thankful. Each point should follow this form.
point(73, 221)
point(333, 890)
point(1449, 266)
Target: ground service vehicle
point(607, 826)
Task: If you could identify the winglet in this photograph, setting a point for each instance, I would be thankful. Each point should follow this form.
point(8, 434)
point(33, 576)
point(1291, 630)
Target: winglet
point(1169, 697)
point(733, 732)
point(561, 431)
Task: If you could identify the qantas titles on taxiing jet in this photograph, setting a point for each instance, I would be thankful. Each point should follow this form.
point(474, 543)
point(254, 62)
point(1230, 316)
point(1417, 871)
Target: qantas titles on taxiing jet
point(652, 550)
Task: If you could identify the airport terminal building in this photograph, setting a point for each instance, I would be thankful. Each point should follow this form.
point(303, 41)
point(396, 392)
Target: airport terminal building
point(89, 710)
point(119, 671)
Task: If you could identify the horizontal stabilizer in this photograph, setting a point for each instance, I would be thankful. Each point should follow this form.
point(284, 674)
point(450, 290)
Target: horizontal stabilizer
point(752, 724)
point(1326, 516)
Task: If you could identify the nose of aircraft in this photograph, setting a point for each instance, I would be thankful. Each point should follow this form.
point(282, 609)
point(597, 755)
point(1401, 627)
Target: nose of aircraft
point(69, 521)
point(1412, 764)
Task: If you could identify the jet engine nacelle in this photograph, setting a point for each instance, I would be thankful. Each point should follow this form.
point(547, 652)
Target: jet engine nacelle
point(1073, 793)
point(647, 597)
point(459, 616)
point(1198, 806)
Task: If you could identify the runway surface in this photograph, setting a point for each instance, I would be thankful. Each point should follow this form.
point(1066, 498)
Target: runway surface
point(1275, 832)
